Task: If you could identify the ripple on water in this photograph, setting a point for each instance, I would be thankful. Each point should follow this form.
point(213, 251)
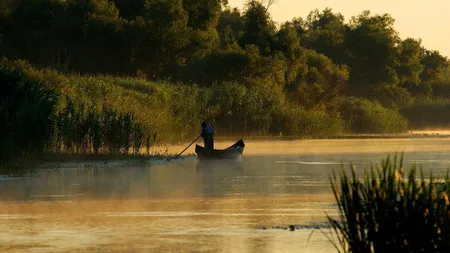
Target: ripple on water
point(20, 216)
point(279, 213)
point(313, 163)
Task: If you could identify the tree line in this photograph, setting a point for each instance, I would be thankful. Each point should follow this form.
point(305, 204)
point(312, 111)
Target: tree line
point(162, 66)
point(313, 60)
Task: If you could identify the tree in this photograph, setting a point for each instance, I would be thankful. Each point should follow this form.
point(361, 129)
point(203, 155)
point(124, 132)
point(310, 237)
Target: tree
point(409, 62)
point(434, 74)
point(203, 14)
point(203, 18)
point(230, 27)
point(326, 34)
point(259, 29)
point(434, 64)
point(266, 3)
point(372, 41)
point(130, 9)
point(63, 34)
point(288, 42)
point(166, 38)
point(319, 83)
point(220, 66)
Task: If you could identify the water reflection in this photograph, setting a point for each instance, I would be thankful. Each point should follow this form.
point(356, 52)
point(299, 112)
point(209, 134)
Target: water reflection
point(187, 206)
point(219, 177)
point(94, 182)
point(253, 175)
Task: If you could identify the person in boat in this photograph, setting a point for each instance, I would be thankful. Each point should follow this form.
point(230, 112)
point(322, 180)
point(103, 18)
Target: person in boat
point(208, 136)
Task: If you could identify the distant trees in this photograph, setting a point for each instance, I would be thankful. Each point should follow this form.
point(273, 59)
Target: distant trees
point(372, 41)
point(435, 72)
point(320, 84)
point(259, 29)
point(307, 65)
point(326, 34)
point(171, 39)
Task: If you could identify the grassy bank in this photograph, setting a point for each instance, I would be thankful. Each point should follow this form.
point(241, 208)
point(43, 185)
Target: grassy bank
point(49, 112)
point(173, 111)
point(344, 136)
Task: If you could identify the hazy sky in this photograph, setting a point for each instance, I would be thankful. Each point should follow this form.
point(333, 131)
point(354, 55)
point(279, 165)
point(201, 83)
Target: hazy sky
point(427, 20)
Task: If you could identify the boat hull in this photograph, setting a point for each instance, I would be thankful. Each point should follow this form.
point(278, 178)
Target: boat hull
point(234, 151)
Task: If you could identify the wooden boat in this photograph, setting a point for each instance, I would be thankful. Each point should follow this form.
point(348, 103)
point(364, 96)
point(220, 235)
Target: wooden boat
point(233, 151)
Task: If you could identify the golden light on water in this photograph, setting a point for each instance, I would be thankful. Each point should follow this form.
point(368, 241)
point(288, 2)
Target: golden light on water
point(245, 205)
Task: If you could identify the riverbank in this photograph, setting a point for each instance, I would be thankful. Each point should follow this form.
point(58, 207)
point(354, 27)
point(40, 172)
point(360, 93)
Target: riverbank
point(102, 160)
point(27, 165)
point(414, 134)
point(165, 153)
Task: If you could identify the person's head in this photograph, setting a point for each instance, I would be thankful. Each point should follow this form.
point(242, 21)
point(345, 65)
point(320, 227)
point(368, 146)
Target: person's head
point(204, 124)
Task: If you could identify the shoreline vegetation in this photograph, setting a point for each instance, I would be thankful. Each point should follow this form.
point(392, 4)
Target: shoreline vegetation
point(409, 135)
point(389, 208)
point(113, 77)
point(113, 116)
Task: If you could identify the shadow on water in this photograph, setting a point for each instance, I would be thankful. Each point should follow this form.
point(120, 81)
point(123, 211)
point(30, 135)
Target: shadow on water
point(252, 175)
point(192, 178)
point(219, 177)
point(76, 183)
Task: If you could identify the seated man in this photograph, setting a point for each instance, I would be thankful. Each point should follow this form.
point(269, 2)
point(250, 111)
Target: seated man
point(208, 136)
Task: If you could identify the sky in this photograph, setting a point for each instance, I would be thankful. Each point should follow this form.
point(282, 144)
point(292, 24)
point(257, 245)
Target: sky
point(427, 20)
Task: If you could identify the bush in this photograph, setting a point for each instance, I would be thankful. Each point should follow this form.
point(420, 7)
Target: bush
point(365, 116)
point(393, 96)
point(300, 122)
point(428, 113)
point(26, 112)
point(386, 212)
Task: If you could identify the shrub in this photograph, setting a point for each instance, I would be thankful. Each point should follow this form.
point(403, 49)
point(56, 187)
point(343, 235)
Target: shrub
point(393, 96)
point(428, 113)
point(26, 112)
point(300, 122)
point(365, 116)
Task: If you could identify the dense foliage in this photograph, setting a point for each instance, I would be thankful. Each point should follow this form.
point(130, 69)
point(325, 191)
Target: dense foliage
point(318, 76)
point(318, 58)
point(26, 112)
point(42, 112)
point(363, 116)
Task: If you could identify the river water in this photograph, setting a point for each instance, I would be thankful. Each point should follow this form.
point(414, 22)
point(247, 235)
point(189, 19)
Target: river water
point(243, 205)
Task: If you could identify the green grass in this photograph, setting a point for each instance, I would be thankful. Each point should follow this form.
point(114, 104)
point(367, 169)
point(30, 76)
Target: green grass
point(173, 111)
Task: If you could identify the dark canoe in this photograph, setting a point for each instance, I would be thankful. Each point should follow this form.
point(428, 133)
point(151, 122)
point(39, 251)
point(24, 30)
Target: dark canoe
point(234, 151)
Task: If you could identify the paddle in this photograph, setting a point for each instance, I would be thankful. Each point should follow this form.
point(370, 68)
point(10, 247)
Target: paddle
point(187, 147)
point(233, 105)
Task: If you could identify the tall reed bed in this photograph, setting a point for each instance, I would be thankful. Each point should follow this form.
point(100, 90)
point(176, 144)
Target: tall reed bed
point(79, 129)
point(387, 211)
point(43, 111)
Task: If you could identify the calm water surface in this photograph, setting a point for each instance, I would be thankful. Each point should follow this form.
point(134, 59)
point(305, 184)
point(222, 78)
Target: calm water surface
point(195, 206)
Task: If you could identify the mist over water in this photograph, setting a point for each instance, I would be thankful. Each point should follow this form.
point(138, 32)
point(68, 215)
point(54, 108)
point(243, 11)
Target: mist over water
point(196, 206)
